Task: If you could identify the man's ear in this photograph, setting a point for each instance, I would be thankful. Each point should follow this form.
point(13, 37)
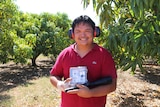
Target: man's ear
point(70, 34)
point(73, 36)
point(97, 31)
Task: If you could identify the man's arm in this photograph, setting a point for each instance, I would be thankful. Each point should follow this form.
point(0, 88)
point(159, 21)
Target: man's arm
point(103, 90)
point(58, 83)
point(54, 80)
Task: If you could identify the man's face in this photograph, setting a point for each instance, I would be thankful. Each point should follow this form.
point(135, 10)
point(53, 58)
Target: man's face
point(83, 34)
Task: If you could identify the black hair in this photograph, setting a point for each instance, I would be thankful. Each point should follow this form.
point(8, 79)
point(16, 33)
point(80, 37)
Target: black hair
point(83, 19)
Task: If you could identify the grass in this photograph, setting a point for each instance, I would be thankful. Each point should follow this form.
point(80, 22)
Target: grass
point(26, 86)
point(34, 93)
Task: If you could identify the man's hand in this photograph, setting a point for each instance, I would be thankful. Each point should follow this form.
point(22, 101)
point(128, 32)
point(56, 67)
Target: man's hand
point(62, 85)
point(83, 91)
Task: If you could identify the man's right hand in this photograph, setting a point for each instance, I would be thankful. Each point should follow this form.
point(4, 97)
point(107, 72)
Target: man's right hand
point(62, 85)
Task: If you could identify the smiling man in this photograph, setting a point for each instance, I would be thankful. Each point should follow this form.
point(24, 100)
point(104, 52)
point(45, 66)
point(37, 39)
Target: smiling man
point(96, 62)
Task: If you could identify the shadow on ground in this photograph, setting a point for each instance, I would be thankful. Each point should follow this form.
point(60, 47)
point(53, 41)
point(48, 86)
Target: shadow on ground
point(131, 102)
point(12, 75)
point(137, 99)
point(139, 90)
point(4, 98)
point(151, 75)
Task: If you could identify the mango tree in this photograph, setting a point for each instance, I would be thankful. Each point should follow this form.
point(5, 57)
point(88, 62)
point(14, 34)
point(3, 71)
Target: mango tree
point(8, 11)
point(51, 38)
point(131, 30)
point(41, 34)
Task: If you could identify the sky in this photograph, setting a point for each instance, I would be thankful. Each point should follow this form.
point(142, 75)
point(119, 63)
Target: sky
point(73, 8)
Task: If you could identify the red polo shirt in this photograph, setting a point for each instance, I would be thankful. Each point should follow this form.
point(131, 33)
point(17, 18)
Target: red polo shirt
point(99, 63)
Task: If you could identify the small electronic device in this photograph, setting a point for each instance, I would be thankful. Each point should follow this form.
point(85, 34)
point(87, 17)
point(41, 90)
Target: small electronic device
point(78, 75)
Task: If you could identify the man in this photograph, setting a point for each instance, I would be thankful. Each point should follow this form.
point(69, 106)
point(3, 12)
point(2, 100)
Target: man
point(84, 52)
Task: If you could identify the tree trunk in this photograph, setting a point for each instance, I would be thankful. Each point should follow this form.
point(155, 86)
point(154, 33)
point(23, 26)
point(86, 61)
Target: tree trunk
point(34, 61)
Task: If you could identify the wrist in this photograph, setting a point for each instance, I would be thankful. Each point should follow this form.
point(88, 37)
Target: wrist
point(91, 93)
point(60, 85)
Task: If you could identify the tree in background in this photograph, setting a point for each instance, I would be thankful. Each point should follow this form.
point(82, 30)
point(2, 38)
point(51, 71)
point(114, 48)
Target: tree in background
point(40, 34)
point(131, 30)
point(52, 36)
point(8, 10)
point(25, 36)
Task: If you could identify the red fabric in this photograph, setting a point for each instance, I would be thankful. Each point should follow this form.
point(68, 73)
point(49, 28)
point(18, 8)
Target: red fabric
point(99, 63)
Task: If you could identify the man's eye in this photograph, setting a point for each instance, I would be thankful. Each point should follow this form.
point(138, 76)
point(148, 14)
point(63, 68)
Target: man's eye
point(77, 31)
point(88, 31)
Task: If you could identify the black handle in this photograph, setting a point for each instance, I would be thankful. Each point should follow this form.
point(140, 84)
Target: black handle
point(103, 81)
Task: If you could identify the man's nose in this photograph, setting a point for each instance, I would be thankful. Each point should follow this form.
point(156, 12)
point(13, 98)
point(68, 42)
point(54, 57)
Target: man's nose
point(83, 34)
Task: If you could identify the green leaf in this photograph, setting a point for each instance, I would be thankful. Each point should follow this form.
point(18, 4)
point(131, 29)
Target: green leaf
point(156, 27)
point(151, 3)
point(128, 66)
point(146, 3)
point(141, 9)
point(133, 68)
point(138, 3)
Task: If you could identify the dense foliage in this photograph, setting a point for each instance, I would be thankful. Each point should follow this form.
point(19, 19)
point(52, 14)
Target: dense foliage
point(43, 34)
point(8, 10)
point(131, 30)
point(25, 36)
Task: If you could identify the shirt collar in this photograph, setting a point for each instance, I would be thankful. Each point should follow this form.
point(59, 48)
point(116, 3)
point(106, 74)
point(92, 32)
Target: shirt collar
point(94, 48)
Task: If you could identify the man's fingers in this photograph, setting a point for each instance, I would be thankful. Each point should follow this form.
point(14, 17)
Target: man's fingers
point(74, 91)
point(67, 80)
point(80, 86)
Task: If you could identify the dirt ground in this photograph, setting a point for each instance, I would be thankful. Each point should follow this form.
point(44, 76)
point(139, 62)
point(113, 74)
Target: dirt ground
point(139, 90)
